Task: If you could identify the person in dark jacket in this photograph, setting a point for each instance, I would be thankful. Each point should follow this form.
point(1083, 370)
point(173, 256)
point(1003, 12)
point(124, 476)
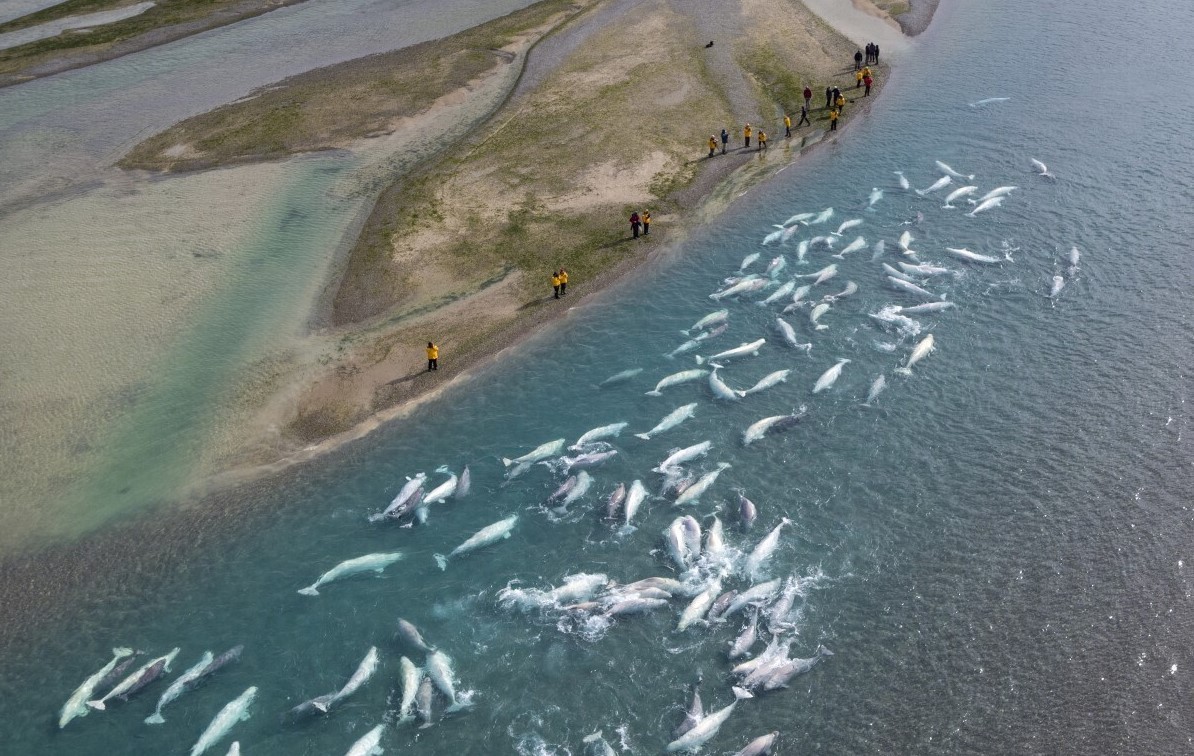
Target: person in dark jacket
point(635, 222)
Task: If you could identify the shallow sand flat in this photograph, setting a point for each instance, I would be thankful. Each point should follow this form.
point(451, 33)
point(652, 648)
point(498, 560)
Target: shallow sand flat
point(79, 357)
point(862, 22)
point(54, 28)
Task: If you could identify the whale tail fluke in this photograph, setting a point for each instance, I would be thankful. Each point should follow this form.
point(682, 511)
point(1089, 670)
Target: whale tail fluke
point(507, 462)
point(442, 561)
point(904, 371)
point(654, 393)
point(643, 436)
point(155, 718)
point(309, 591)
point(700, 360)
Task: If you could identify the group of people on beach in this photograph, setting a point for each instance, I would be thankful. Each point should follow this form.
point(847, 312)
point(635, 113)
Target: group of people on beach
point(835, 102)
point(559, 282)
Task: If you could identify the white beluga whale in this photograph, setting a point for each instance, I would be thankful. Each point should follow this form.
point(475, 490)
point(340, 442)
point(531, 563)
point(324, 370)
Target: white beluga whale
point(76, 705)
point(693, 493)
point(761, 428)
point(822, 275)
point(411, 676)
point(486, 536)
point(919, 352)
point(876, 389)
point(830, 376)
point(851, 288)
point(986, 205)
point(749, 260)
point(674, 418)
point(911, 288)
point(720, 389)
point(822, 216)
point(236, 710)
point(634, 499)
point(367, 563)
point(969, 256)
point(1058, 285)
point(675, 379)
point(951, 172)
point(179, 686)
point(369, 744)
point(686, 454)
point(439, 669)
point(958, 194)
point(767, 381)
point(621, 377)
point(443, 491)
point(746, 349)
point(847, 225)
point(612, 430)
point(788, 333)
point(692, 740)
point(853, 246)
point(926, 307)
point(365, 670)
point(988, 101)
point(903, 181)
point(540, 453)
point(784, 290)
point(763, 551)
point(816, 314)
point(999, 191)
point(876, 195)
point(1041, 168)
point(940, 183)
point(711, 320)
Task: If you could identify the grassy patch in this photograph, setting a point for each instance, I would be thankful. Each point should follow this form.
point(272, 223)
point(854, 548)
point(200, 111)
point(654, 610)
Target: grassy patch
point(326, 107)
point(776, 78)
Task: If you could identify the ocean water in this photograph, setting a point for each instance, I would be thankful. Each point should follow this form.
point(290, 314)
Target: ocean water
point(996, 552)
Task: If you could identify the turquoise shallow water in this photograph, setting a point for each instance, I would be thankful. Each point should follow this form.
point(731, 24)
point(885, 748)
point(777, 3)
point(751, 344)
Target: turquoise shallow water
point(1002, 543)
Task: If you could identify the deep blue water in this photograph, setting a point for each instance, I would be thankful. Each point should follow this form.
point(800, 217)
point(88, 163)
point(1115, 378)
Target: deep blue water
point(1002, 541)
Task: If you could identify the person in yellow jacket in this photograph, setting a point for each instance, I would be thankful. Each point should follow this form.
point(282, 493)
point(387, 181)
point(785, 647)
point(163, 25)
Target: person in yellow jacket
point(712, 145)
point(432, 356)
point(833, 120)
point(787, 125)
point(746, 135)
point(858, 79)
point(555, 283)
point(866, 71)
point(563, 282)
point(646, 222)
point(762, 140)
point(841, 103)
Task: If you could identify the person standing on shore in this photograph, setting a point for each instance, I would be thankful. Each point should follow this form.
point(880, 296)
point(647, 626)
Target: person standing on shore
point(804, 116)
point(712, 145)
point(635, 222)
point(867, 81)
point(836, 94)
point(787, 126)
point(646, 222)
point(725, 140)
point(876, 58)
point(857, 59)
point(762, 140)
point(432, 356)
point(828, 97)
point(841, 103)
point(563, 282)
point(746, 135)
point(808, 97)
point(857, 79)
point(833, 120)
point(555, 283)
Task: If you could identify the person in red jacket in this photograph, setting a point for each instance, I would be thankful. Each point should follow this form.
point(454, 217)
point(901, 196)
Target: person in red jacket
point(808, 98)
point(635, 222)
